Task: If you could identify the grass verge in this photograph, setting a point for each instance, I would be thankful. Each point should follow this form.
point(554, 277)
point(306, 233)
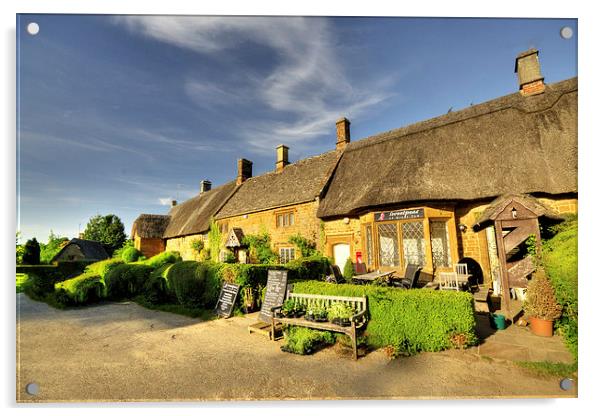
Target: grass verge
point(203, 314)
point(548, 368)
point(21, 281)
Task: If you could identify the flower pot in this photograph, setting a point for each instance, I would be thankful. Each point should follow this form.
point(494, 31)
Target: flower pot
point(542, 327)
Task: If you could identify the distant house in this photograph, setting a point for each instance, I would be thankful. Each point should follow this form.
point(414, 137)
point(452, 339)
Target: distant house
point(79, 250)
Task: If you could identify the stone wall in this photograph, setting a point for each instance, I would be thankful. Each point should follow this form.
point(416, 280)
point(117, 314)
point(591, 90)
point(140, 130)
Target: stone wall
point(183, 245)
point(71, 253)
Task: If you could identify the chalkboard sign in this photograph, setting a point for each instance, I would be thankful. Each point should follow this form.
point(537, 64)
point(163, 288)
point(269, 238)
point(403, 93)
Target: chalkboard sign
point(402, 214)
point(225, 302)
point(274, 293)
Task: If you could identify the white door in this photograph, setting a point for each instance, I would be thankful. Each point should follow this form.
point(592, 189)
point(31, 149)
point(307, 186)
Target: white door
point(341, 253)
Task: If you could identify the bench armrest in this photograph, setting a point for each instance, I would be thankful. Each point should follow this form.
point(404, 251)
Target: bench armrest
point(358, 315)
point(275, 308)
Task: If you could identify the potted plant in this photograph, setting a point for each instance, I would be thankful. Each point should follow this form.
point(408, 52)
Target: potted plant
point(288, 308)
point(340, 314)
point(541, 305)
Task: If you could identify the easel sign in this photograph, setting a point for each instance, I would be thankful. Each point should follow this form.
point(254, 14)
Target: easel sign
point(226, 300)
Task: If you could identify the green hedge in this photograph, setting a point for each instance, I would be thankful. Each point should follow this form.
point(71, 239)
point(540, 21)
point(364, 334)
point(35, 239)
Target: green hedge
point(156, 288)
point(130, 254)
point(85, 288)
point(162, 259)
point(560, 263)
point(126, 280)
point(409, 320)
point(102, 267)
point(193, 283)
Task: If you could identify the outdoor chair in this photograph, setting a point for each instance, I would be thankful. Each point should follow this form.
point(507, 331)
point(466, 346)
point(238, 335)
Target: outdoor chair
point(336, 276)
point(462, 273)
point(360, 268)
point(448, 281)
point(408, 281)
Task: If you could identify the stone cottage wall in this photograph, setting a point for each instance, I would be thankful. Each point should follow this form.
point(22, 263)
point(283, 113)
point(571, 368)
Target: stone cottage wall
point(183, 245)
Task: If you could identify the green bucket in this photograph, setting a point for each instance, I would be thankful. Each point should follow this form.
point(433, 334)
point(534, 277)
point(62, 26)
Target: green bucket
point(498, 321)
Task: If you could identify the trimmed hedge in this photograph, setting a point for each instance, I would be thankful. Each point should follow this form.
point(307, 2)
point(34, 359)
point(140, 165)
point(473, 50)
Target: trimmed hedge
point(126, 280)
point(410, 321)
point(560, 264)
point(85, 288)
point(102, 267)
point(193, 283)
point(156, 288)
point(130, 254)
point(162, 259)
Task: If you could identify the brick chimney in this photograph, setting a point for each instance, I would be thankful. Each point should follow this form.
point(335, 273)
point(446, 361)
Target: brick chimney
point(81, 236)
point(205, 186)
point(281, 157)
point(530, 80)
point(343, 133)
point(245, 170)
point(174, 202)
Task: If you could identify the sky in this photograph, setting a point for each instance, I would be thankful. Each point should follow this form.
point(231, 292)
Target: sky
point(122, 114)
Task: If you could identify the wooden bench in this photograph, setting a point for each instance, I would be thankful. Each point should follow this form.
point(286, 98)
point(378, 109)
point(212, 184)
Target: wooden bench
point(359, 319)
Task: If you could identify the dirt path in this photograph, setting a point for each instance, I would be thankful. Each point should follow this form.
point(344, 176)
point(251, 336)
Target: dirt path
point(116, 352)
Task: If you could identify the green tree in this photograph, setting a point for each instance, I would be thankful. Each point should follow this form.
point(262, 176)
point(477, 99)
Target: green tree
point(20, 249)
point(31, 254)
point(348, 270)
point(51, 249)
point(107, 229)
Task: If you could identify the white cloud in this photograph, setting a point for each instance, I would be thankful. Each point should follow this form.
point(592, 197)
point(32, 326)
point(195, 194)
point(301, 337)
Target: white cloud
point(308, 83)
point(165, 201)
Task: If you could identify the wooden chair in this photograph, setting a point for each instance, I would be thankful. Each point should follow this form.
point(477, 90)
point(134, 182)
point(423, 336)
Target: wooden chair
point(448, 281)
point(409, 279)
point(462, 272)
point(360, 268)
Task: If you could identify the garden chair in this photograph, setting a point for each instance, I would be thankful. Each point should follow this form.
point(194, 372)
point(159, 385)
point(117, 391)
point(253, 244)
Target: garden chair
point(336, 276)
point(409, 279)
point(462, 273)
point(448, 281)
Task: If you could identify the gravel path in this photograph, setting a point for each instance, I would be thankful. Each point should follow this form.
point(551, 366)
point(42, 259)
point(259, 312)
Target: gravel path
point(123, 352)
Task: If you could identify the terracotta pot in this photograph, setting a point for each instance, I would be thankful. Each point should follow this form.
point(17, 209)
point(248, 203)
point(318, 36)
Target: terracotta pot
point(542, 327)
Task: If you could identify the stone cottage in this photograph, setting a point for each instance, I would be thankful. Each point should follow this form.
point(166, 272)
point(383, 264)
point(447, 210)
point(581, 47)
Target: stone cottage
point(78, 249)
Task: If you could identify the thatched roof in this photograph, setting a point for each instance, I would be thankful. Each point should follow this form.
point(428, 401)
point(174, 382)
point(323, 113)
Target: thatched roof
point(512, 144)
point(149, 226)
point(298, 182)
point(194, 215)
point(92, 250)
point(500, 203)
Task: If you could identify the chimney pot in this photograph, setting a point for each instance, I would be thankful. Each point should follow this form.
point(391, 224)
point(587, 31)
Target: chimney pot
point(81, 236)
point(245, 170)
point(530, 80)
point(174, 202)
point(343, 133)
point(281, 157)
point(205, 186)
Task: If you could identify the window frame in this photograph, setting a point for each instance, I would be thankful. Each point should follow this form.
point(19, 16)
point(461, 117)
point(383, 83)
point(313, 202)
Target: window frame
point(285, 219)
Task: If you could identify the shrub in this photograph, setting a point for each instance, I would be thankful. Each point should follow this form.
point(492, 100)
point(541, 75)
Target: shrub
point(193, 284)
point(409, 321)
point(156, 287)
point(102, 267)
point(214, 241)
point(130, 254)
point(163, 258)
point(541, 300)
point(126, 244)
point(85, 288)
point(560, 263)
point(31, 253)
point(348, 271)
point(260, 250)
point(197, 245)
point(299, 340)
point(308, 268)
point(306, 247)
point(126, 280)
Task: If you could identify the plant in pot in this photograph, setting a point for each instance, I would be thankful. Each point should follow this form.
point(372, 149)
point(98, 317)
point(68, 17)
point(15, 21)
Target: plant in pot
point(288, 308)
point(340, 314)
point(299, 309)
point(541, 305)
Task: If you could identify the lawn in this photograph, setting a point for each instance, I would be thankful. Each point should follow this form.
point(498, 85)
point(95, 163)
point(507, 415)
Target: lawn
point(21, 280)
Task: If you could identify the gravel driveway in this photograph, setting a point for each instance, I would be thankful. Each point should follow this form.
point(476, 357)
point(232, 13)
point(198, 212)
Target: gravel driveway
point(123, 352)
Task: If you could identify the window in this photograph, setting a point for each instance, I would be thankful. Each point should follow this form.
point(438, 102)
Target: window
point(285, 219)
point(388, 245)
point(369, 254)
point(440, 244)
point(413, 243)
point(287, 254)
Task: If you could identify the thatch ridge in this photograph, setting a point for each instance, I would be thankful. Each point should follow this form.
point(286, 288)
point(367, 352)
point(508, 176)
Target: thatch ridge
point(149, 226)
point(509, 144)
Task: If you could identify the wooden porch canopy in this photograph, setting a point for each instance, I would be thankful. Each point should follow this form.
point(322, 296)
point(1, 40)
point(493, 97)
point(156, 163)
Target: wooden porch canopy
point(515, 218)
point(235, 238)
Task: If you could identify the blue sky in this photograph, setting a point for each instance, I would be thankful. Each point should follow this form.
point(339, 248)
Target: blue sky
point(120, 114)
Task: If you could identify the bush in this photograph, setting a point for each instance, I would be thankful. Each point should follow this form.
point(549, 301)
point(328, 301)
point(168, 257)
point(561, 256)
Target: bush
point(193, 284)
point(102, 267)
point(541, 300)
point(31, 253)
point(126, 280)
point(409, 321)
point(162, 259)
point(348, 271)
point(260, 250)
point(306, 247)
point(85, 288)
point(300, 340)
point(308, 268)
point(560, 263)
point(130, 254)
point(156, 288)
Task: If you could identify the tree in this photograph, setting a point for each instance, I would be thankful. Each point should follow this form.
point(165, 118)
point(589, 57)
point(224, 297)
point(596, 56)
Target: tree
point(31, 254)
point(107, 229)
point(51, 249)
point(20, 249)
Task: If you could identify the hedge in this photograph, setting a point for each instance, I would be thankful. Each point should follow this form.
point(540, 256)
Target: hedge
point(102, 267)
point(560, 264)
point(156, 289)
point(126, 280)
point(410, 321)
point(193, 283)
point(130, 254)
point(85, 288)
point(162, 259)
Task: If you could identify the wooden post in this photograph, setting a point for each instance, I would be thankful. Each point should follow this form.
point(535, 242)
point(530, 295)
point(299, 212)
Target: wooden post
point(499, 237)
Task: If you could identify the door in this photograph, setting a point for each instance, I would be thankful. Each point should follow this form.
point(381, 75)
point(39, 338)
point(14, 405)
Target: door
point(341, 253)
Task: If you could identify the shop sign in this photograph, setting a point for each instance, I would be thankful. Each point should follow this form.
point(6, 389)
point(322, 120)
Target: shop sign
point(402, 214)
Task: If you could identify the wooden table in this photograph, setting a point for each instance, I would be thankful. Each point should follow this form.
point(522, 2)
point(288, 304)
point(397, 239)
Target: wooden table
point(372, 276)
